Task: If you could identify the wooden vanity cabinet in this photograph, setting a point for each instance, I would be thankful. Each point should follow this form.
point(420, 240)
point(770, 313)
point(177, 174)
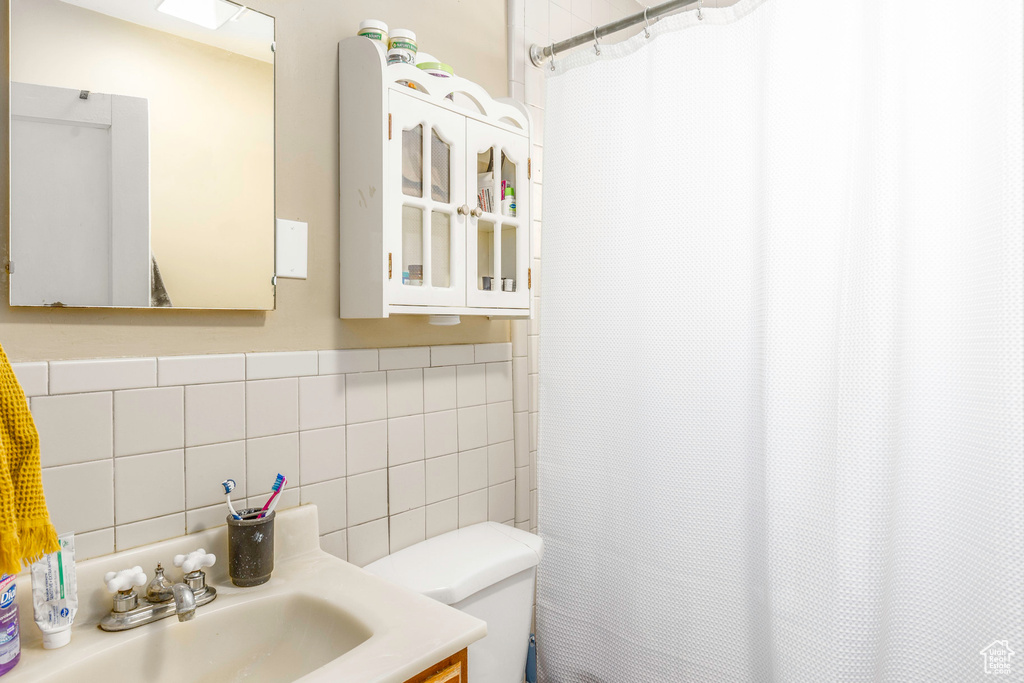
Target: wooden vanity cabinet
point(451, 670)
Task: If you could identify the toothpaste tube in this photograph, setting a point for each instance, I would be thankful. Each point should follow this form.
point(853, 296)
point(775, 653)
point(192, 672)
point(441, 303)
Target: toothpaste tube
point(55, 593)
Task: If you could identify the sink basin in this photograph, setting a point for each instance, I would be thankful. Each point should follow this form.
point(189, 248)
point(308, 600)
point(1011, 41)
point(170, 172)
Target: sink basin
point(271, 640)
point(319, 620)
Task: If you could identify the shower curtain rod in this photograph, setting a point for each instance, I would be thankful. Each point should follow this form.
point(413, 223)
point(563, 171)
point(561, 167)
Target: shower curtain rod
point(539, 54)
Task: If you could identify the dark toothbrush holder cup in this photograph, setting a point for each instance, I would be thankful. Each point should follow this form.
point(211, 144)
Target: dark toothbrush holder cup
point(250, 548)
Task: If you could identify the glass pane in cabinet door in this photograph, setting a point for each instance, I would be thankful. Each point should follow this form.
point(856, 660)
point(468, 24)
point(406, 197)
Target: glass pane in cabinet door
point(412, 246)
point(440, 168)
point(485, 257)
point(487, 198)
point(440, 249)
point(509, 236)
point(507, 189)
point(412, 161)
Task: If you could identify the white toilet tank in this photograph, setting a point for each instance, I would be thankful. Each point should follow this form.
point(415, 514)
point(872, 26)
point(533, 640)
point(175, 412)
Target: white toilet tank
point(486, 570)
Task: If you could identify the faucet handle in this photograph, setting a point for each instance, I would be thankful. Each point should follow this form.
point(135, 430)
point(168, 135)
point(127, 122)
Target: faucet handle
point(195, 560)
point(125, 579)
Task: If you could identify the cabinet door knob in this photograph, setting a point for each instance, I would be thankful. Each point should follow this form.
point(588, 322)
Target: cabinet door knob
point(477, 212)
point(463, 210)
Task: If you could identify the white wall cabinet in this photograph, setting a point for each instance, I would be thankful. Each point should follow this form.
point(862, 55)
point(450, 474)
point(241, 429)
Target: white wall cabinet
point(418, 234)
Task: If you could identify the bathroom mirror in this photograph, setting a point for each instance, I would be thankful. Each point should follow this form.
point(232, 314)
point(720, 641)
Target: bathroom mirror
point(142, 154)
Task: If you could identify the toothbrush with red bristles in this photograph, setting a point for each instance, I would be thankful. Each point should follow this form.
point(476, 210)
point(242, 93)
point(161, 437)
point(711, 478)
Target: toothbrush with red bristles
point(272, 501)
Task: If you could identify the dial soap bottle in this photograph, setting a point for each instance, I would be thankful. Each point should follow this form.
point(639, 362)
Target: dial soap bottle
point(10, 641)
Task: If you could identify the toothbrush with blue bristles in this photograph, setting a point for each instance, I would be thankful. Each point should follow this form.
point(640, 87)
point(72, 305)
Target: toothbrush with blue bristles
point(229, 486)
point(272, 501)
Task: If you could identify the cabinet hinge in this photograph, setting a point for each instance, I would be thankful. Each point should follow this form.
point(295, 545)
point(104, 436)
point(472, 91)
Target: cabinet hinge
point(389, 265)
point(9, 267)
point(529, 167)
point(389, 126)
point(529, 278)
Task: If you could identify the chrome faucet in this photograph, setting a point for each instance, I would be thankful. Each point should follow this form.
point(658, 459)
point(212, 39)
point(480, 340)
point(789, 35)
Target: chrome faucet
point(162, 598)
point(184, 602)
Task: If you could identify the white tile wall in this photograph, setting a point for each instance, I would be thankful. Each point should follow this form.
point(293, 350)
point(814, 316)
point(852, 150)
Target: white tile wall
point(348, 360)
point(227, 367)
point(405, 392)
point(33, 378)
point(376, 440)
point(271, 407)
point(407, 528)
point(405, 439)
point(321, 401)
point(440, 433)
point(77, 376)
point(400, 359)
point(366, 397)
point(439, 388)
point(207, 466)
point(321, 455)
point(471, 385)
point(214, 413)
point(280, 364)
point(149, 420)
point(367, 446)
point(148, 486)
point(74, 428)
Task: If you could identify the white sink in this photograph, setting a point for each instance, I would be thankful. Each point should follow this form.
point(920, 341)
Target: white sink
point(273, 640)
point(317, 619)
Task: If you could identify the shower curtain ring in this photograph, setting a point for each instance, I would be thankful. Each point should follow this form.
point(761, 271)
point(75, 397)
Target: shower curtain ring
point(552, 56)
point(647, 24)
point(700, 10)
point(597, 44)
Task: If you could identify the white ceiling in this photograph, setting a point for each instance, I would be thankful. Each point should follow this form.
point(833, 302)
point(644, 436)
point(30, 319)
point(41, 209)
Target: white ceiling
point(250, 35)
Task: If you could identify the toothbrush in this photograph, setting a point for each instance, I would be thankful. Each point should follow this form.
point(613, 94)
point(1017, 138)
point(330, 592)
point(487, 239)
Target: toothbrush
point(229, 486)
point(278, 486)
point(274, 504)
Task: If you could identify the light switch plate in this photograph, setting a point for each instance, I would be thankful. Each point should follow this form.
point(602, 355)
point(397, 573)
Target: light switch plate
point(292, 237)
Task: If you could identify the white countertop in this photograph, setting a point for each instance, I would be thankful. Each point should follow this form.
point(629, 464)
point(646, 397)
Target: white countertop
point(409, 632)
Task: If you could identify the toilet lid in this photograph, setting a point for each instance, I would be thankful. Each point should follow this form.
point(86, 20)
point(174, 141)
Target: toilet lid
point(451, 567)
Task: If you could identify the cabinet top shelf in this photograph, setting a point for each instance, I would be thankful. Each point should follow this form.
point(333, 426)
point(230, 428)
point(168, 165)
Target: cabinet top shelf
point(469, 98)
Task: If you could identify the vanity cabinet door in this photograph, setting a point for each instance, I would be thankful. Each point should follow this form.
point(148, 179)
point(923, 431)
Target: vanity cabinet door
point(451, 670)
point(427, 242)
point(497, 244)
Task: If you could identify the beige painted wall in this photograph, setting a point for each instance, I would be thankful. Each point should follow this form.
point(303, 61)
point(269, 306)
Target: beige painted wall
point(211, 116)
point(469, 35)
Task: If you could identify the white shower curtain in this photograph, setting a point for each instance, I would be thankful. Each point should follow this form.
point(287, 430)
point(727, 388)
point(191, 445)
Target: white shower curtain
point(781, 348)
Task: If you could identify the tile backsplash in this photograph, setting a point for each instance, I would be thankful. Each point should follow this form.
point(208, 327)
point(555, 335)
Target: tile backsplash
point(392, 445)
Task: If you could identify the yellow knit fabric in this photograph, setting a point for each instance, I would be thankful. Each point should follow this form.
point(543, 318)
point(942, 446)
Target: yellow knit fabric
point(26, 533)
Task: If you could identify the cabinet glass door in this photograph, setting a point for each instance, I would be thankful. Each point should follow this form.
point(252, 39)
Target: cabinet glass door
point(497, 244)
point(427, 245)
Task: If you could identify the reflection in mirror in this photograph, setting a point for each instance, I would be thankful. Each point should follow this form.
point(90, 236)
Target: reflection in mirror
point(142, 154)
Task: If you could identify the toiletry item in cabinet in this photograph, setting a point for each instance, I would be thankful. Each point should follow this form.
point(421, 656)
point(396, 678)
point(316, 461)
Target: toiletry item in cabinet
point(55, 593)
point(487, 283)
point(10, 638)
point(485, 195)
point(374, 30)
point(436, 69)
point(508, 284)
point(402, 47)
point(416, 274)
point(508, 201)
